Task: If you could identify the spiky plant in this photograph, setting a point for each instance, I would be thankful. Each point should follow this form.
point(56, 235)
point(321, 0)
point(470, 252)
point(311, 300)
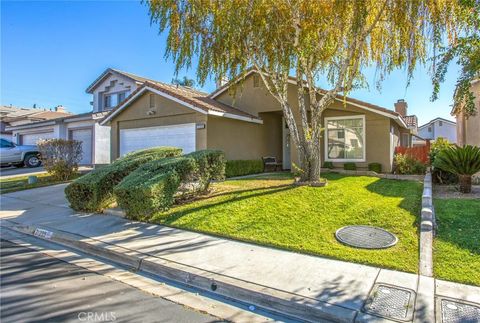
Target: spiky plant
point(462, 161)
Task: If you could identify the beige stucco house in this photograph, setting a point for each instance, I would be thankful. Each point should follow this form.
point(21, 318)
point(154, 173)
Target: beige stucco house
point(248, 124)
point(468, 129)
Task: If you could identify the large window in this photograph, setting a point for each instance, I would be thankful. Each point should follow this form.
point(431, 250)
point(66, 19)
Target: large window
point(112, 100)
point(345, 138)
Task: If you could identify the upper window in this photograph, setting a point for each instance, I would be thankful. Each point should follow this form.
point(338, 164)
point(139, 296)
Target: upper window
point(429, 129)
point(440, 123)
point(345, 138)
point(152, 101)
point(112, 100)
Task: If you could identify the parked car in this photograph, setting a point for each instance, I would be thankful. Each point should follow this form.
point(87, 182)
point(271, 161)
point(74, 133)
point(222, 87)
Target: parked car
point(18, 155)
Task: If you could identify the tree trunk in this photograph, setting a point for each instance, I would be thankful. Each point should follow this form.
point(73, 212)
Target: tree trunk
point(465, 183)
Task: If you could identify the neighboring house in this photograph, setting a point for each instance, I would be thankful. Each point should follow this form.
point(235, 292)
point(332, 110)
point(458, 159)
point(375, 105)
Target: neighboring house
point(249, 124)
point(13, 116)
point(439, 128)
point(468, 129)
point(109, 89)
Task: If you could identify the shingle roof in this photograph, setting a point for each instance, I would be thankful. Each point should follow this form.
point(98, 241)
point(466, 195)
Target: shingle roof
point(193, 97)
point(131, 76)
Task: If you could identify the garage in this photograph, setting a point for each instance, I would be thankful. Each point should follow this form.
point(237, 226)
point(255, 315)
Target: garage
point(32, 138)
point(181, 135)
point(85, 136)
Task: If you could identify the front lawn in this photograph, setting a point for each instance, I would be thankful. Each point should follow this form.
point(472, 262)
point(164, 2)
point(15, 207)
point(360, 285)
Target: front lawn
point(457, 244)
point(20, 183)
point(270, 210)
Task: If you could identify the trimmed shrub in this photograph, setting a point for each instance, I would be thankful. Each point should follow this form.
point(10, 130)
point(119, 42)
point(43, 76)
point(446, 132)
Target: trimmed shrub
point(328, 164)
point(243, 167)
point(350, 166)
point(407, 165)
point(60, 157)
point(375, 167)
point(94, 191)
point(210, 165)
point(152, 186)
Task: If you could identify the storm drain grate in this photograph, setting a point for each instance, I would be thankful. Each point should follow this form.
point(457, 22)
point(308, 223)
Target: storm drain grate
point(364, 236)
point(455, 311)
point(390, 302)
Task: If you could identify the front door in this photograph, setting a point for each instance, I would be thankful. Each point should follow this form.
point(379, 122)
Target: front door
point(287, 163)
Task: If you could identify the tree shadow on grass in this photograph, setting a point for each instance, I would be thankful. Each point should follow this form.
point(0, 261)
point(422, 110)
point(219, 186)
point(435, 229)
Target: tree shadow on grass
point(235, 197)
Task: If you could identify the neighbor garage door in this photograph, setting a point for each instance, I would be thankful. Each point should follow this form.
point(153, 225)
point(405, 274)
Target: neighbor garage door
point(32, 138)
point(182, 136)
point(85, 136)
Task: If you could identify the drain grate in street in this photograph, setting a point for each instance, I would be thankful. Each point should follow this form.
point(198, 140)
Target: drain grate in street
point(454, 311)
point(390, 302)
point(367, 237)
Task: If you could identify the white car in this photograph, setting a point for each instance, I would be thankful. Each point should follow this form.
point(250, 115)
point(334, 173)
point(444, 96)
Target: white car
point(18, 155)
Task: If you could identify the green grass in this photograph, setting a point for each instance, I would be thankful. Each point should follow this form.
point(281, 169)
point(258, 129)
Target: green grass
point(457, 244)
point(20, 183)
point(271, 211)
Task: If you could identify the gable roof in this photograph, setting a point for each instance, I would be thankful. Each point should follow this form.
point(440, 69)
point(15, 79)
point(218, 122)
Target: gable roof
point(439, 119)
point(186, 96)
point(109, 71)
point(361, 104)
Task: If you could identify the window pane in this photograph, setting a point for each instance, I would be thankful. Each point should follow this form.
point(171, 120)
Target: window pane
point(345, 139)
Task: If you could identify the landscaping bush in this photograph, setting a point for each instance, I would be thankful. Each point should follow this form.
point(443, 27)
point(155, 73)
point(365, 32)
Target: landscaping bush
point(349, 166)
point(94, 191)
point(152, 186)
point(60, 157)
point(210, 165)
point(328, 164)
point(375, 167)
point(440, 176)
point(243, 167)
point(462, 161)
point(407, 165)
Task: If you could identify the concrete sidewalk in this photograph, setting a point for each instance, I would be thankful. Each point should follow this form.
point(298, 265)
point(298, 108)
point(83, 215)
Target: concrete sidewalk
point(338, 289)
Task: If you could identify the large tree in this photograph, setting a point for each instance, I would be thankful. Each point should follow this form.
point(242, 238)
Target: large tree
point(336, 39)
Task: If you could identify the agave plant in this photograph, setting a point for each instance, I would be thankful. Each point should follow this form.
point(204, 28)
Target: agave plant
point(462, 161)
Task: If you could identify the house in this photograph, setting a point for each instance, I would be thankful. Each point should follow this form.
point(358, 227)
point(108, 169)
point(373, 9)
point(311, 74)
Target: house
point(109, 89)
point(248, 124)
point(401, 107)
point(439, 128)
point(13, 116)
point(468, 128)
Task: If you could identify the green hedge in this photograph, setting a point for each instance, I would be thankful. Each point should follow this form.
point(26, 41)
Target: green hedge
point(328, 164)
point(375, 167)
point(152, 186)
point(94, 191)
point(210, 165)
point(243, 167)
point(350, 166)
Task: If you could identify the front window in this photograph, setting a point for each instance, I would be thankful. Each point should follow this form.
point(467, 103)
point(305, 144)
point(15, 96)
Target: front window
point(345, 139)
point(112, 100)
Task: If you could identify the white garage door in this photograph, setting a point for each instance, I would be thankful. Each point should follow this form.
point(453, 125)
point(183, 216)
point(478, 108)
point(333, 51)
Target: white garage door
point(85, 136)
point(182, 136)
point(32, 138)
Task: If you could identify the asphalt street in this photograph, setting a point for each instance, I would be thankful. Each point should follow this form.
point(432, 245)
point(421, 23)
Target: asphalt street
point(38, 288)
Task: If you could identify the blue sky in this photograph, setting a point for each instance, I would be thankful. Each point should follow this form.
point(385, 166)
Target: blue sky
point(52, 50)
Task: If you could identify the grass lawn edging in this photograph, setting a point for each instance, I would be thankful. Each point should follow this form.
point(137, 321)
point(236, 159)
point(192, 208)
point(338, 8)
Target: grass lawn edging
point(374, 174)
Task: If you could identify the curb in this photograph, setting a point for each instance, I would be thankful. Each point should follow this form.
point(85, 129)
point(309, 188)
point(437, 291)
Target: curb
point(282, 302)
point(427, 227)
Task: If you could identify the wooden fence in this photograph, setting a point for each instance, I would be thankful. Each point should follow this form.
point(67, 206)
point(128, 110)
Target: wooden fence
point(419, 153)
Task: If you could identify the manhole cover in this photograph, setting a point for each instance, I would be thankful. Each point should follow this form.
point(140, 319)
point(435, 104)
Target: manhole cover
point(455, 311)
point(390, 302)
point(367, 237)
